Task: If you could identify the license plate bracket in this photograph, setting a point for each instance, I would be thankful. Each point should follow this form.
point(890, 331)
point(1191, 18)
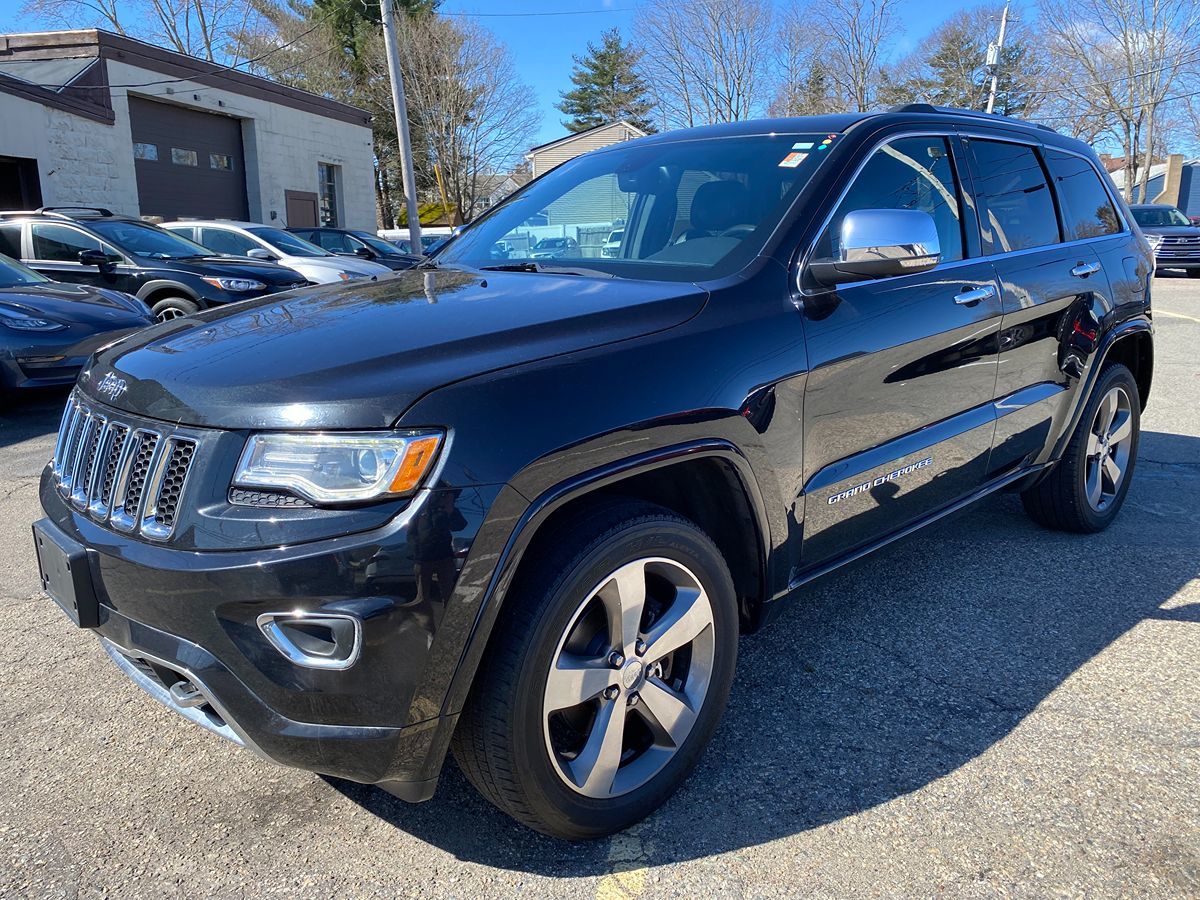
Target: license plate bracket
point(66, 574)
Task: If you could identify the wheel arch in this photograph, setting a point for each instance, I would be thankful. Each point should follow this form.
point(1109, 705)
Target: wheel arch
point(153, 291)
point(688, 479)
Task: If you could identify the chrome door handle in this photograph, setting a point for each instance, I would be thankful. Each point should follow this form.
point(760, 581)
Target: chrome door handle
point(1083, 270)
point(974, 295)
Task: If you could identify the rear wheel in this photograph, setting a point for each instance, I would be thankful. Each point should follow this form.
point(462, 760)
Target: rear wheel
point(1085, 490)
point(173, 308)
point(1193, 273)
point(606, 676)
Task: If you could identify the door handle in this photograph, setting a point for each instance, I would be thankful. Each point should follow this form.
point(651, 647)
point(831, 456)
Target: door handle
point(1083, 270)
point(971, 296)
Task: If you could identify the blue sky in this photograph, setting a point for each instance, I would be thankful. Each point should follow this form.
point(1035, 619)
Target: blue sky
point(543, 35)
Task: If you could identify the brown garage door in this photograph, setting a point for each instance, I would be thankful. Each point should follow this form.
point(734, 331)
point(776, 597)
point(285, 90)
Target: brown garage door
point(188, 163)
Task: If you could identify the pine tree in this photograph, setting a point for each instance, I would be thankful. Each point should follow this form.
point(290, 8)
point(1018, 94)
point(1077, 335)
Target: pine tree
point(607, 88)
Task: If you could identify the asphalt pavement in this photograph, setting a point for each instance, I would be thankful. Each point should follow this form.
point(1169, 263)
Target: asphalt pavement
point(985, 709)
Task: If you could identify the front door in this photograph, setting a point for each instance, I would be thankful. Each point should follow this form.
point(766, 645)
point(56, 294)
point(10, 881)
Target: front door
point(898, 416)
point(55, 249)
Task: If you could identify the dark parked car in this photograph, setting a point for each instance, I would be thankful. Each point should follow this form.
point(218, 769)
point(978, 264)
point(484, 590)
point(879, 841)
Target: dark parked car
point(552, 248)
point(174, 276)
point(362, 244)
point(522, 509)
point(49, 329)
point(1174, 237)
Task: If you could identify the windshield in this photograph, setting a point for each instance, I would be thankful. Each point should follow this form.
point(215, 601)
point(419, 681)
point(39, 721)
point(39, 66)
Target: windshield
point(13, 273)
point(688, 210)
point(379, 245)
point(1160, 215)
point(287, 243)
point(147, 240)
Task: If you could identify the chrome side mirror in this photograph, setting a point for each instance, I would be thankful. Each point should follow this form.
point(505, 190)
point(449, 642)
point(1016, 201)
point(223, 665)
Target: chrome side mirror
point(260, 253)
point(881, 243)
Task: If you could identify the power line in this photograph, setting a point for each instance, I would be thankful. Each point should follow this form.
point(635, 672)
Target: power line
point(1191, 56)
point(539, 13)
point(1038, 118)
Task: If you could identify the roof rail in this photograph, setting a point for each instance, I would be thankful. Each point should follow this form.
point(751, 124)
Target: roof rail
point(98, 210)
point(974, 113)
point(17, 213)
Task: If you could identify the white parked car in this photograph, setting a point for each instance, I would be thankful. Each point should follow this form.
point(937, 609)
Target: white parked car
point(266, 242)
point(612, 246)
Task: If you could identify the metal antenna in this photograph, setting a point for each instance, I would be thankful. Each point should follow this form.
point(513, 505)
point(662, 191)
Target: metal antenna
point(993, 58)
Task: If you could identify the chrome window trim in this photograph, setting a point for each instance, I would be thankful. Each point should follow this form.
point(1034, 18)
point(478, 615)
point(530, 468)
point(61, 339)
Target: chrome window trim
point(949, 135)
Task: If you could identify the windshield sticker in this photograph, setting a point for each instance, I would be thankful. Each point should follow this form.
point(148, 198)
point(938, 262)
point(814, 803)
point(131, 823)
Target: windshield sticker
point(803, 145)
point(793, 159)
point(824, 145)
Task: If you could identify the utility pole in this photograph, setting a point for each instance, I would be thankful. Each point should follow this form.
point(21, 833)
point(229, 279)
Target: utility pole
point(993, 58)
point(400, 108)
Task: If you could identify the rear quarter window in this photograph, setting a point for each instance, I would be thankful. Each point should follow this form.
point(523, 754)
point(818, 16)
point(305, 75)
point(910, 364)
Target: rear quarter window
point(10, 240)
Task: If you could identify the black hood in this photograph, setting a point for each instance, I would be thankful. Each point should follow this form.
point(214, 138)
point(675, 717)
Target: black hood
point(231, 267)
point(357, 355)
point(77, 304)
point(1171, 230)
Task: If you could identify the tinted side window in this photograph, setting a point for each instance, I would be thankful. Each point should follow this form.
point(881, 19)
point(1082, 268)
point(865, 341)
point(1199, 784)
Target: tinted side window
point(1086, 207)
point(221, 241)
point(60, 243)
point(333, 242)
point(10, 240)
point(910, 173)
point(1017, 209)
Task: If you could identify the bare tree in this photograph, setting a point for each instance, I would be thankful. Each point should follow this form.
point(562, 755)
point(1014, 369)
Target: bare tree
point(1120, 61)
point(842, 43)
point(706, 60)
point(206, 29)
point(468, 104)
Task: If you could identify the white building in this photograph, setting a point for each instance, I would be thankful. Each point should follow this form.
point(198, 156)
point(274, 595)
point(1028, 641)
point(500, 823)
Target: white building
point(89, 118)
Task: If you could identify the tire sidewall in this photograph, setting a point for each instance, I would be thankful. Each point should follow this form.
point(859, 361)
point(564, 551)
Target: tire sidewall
point(183, 304)
point(556, 803)
point(1116, 375)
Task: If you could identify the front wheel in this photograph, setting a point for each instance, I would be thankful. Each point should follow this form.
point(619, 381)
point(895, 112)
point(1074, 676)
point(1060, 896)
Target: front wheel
point(1193, 273)
point(174, 308)
point(1085, 489)
point(606, 675)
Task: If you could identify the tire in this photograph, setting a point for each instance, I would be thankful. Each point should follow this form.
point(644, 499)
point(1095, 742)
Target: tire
point(533, 759)
point(1085, 490)
point(174, 308)
point(1193, 273)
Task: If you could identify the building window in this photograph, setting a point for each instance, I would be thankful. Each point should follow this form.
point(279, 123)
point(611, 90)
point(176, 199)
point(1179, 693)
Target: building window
point(145, 151)
point(327, 178)
point(222, 161)
point(184, 157)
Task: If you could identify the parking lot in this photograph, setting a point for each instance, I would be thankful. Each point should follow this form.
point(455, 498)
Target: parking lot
point(984, 709)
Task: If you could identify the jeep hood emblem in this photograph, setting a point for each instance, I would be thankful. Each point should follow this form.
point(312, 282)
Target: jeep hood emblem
point(112, 387)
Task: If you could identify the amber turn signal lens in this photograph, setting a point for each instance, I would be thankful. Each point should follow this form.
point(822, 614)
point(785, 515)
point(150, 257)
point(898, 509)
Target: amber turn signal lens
point(417, 459)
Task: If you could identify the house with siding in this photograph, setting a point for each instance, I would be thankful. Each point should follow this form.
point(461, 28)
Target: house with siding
point(545, 157)
point(1176, 182)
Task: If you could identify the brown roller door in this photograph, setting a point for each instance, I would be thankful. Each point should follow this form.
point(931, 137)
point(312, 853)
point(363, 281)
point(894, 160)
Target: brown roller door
point(188, 163)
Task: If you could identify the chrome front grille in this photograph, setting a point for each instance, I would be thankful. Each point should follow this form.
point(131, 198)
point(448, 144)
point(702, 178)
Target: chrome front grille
point(128, 476)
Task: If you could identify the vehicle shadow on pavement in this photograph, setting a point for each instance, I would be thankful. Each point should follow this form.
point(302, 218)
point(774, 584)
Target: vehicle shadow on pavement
point(883, 678)
point(31, 416)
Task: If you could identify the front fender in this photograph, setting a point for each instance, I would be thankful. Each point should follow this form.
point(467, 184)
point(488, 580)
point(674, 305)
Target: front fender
point(572, 488)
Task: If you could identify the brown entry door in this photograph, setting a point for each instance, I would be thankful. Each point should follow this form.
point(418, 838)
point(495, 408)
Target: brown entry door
point(301, 209)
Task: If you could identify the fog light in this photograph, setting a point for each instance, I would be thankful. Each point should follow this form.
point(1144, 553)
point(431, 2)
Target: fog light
point(314, 640)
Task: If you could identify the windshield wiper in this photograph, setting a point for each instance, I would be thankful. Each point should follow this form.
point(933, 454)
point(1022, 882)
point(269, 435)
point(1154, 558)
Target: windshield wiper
point(546, 270)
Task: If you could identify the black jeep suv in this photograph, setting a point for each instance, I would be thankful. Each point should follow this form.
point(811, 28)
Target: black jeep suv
point(172, 275)
point(523, 509)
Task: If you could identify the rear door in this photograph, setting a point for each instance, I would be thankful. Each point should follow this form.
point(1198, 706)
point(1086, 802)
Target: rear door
point(1044, 280)
point(898, 416)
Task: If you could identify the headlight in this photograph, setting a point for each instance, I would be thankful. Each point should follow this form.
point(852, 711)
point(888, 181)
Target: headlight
point(345, 276)
point(338, 468)
point(236, 285)
point(19, 321)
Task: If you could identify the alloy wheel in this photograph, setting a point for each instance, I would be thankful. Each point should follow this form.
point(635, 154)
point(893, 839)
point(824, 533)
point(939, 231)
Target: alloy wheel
point(1108, 447)
point(629, 677)
point(166, 314)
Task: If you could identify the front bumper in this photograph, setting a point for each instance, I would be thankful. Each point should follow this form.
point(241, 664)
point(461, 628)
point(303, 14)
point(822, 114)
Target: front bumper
point(187, 620)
